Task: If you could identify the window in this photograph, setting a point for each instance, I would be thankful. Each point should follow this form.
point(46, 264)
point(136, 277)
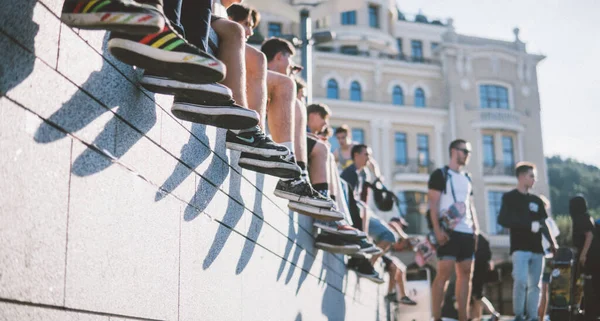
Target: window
point(332, 89)
point(399, 45)
point(414, 206)
point(398, 96)
point(400, 147)
point(274, 29)
point(508, 152)
point(349, 17)
point(492, 96)
point(417, 50)
point(355, 91)
point(494, 204)
point(489, 160)
point(434, 45)
point(349, 50)
point(358, 135)
point(373, 16)
point(423, 149)
point(419, 98)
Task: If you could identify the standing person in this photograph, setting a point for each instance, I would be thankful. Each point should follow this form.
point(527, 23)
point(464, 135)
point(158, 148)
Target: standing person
point(524, 214)
point(547, 239)
point(482, 266)
point(450, 189)
point(343, 155)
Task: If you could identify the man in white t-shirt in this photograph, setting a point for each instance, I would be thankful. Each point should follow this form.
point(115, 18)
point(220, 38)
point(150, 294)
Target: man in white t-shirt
point(454, 223)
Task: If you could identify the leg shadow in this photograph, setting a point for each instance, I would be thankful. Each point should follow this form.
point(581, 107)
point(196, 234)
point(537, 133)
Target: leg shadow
point(256, 224)
point(288, 247)
point(334, 303)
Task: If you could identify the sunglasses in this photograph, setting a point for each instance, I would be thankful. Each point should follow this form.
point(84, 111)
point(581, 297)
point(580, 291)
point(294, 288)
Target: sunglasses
point(464, 150)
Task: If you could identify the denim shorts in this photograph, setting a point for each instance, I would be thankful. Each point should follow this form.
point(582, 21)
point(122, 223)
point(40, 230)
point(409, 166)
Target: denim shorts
point(379, 230)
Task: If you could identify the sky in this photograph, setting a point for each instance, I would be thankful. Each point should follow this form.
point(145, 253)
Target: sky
point(567, 32)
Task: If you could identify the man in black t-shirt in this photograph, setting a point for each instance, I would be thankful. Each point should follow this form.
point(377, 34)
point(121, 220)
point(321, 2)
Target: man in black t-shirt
point(450, 191)
point(583, 227)
point(525, 215)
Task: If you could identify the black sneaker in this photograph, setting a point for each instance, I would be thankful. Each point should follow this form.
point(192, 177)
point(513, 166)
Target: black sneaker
point(279, 166)
point(391, 297)
point(255, 142)
point(364, 269)
point(301, 191)
point(319, 213)
point(114, 15)
point(407, 301)
point(203, 93)
point(167, 54)
point(340, 229)
point(332, 244)
point(223, 115)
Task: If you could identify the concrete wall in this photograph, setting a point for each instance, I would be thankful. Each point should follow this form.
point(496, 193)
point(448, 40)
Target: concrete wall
point(112, 209)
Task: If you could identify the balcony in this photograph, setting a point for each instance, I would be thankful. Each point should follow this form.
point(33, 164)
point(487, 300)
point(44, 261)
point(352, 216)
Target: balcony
point(497, 118)
point(498, 170)
point(413, 170)
point(405, 58)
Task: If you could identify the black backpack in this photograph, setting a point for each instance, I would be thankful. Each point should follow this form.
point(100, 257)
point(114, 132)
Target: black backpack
point(445, 174)
point(384, 199)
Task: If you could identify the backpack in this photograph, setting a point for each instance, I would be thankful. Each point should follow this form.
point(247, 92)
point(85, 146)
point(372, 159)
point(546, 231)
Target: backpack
point(384, 199)
point(445, 175)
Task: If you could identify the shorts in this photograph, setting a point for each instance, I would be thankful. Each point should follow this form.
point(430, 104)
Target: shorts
point(547, 274)
point(460, 247)
point(310, 144)
point(379, 230)
point(388, 260)
point(478, 281)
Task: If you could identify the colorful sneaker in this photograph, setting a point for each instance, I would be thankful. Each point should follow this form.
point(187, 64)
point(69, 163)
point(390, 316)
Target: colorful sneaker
point(214, 92)
point(340, 229)
point(319, 213)
point(299, 190)
point(255, 142)
point(278, 166)
point(114, 15)
point(167, 54)
point(219, 114)
point(332, 244)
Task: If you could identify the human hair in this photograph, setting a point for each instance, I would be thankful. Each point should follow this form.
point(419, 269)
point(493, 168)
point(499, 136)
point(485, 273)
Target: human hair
point(326, 132)
point(357, 149)
point(455, 143)
point(300, 84)
point(344, 129)
point(322, 109)
point(240, 12)
point(274, 45)
point(523, 167)
point(255, 17)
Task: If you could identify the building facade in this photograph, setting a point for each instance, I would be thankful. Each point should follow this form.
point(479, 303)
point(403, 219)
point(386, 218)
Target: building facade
point(408, 86)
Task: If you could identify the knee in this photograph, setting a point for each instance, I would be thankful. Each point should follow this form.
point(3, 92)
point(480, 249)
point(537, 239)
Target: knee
point(229, 30)
point(255, 58)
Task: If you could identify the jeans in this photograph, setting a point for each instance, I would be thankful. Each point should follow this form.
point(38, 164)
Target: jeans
point(527, 272)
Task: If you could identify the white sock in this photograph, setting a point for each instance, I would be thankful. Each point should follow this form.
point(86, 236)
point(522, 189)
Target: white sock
point(289, 146)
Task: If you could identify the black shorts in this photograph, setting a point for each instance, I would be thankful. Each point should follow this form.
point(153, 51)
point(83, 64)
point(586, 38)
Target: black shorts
point(478, 280)
point(388, 260)
point(311, 142)
point(461, 247)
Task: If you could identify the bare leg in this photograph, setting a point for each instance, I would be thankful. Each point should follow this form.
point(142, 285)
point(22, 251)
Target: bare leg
point(392, 272)
point(463, 287)
point(543, 302)
point(438, 287)
point(280, 109)
point(232, 54)
point(400, 281)
point(334, 176)
point(318, 170)
point(300, 133)
point(256, 82)
point(476, 310)
point(385, 246)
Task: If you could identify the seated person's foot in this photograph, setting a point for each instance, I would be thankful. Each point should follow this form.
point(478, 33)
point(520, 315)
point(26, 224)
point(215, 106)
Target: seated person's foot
point(319, 213)
point(367, 247)
point(279, 166)
point(299, 190)
point(340, 229)
point(363, 268)
point(392, 297)
point(114, 15)
point(199, 93)
point(407, 301)
point(254, 141)
point(167, 54)
point(332, 244)
point(222, 114)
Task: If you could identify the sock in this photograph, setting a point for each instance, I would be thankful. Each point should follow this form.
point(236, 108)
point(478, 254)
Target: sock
point(322, 188)
point(332, 197)
point(302, 165)
point(247, 130)
point(289, 146)
point(304, 176)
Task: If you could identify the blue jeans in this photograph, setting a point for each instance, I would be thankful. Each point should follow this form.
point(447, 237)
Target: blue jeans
point(527, 273)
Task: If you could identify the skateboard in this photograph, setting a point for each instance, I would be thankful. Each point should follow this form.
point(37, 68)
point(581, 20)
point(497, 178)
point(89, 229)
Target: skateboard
point(561, 285)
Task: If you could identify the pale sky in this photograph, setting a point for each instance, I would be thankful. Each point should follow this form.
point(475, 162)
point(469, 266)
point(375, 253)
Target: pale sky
point(567, 32)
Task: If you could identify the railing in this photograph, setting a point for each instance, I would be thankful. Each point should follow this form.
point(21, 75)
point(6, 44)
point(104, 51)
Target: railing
point(405, 58)
point(507, 116)
point(414, 166)
point(498, 170)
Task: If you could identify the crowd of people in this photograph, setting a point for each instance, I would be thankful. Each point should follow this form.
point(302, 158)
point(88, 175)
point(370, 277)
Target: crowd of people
point(250, 91)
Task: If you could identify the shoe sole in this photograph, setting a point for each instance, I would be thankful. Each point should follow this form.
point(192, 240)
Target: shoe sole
point(370, 277)
point(338, 249)
point(256, 151)
point(302, 199)
point(347, 235)
point(218, 116)
point(315, 212)
point(126, 22)
point(274, 169)
point(180, 66)
point(360, 255)
point(194, 92)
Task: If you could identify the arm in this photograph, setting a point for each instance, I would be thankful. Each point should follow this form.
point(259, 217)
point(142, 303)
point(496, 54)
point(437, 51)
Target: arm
point(434, 208)
point(364, 215)
point(476, 229)
point(589, 236)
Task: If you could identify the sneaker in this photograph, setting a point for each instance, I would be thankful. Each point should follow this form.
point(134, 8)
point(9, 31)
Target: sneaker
point(194, 92)
point(167, 54)
point(114, 15)
point(255, 142)
point(340, 229)
point(364, 269)
point(222, 115)
point(368, 247)
point(407, 301)
point(391, 297)
point(318, 213)
point(332, 244)
point(279, 166)
point(301, 191)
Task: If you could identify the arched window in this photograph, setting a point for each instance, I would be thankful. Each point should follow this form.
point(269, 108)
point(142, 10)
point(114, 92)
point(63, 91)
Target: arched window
point(355, 91)
point(493, 96)
point(332, 89)
point(398, 96)
point(419, 98)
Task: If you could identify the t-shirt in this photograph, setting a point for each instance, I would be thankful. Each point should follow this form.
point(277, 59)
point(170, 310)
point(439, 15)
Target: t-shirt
point(517, 212)
point(463, 189)
point(582, 223)
point(219, 10)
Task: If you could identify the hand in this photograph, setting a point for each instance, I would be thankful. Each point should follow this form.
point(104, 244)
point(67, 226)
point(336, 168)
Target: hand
point(582, 259)
point(441, 237)
point(535, 226)
point(553, 249)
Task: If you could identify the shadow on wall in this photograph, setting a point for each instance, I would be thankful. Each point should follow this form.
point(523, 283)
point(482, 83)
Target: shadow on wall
point(16, 25)
point(256, 224)
point(333, 305)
